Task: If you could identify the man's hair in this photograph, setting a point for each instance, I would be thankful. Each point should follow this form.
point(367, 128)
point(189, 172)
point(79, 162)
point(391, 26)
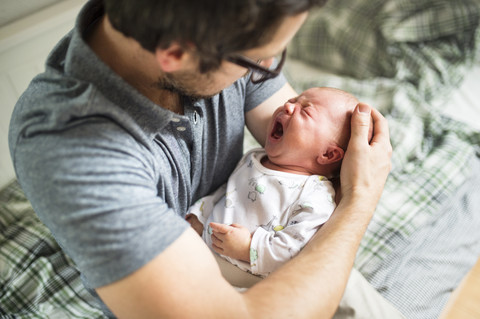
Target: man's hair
point(215, 27)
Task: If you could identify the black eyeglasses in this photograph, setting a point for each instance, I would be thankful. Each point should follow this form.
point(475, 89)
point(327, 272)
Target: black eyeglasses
point(259, 73)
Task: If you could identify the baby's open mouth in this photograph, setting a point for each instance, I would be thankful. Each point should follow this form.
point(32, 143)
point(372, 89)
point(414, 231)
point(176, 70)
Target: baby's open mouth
point(277, 131)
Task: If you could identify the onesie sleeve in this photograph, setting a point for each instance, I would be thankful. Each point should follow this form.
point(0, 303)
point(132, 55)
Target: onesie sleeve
point(271, 248)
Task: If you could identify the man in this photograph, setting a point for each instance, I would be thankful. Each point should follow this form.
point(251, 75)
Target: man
point(141, 112)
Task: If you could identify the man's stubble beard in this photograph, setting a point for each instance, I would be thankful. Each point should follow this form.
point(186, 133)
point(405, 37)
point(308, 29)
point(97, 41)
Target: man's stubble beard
point(183, 85)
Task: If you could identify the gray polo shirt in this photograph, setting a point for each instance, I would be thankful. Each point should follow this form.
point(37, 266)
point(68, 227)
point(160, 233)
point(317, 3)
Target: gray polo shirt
point(108, 171)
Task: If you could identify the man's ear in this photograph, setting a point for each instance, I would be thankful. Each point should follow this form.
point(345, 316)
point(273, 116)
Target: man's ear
point(172, 58)
point(333, 154)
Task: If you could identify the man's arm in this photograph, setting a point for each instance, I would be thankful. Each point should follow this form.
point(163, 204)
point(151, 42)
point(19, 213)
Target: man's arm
point(258, 118)
point(184, 281)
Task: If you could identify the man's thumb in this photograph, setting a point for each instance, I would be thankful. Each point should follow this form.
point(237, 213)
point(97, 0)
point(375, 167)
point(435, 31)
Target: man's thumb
point(361, 119)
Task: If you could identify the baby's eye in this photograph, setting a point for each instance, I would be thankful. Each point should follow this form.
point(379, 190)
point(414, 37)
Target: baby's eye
point(306, 110)
point(307, 105)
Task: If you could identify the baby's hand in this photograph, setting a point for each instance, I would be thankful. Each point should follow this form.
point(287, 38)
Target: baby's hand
point(195, 223)
point(232, 241)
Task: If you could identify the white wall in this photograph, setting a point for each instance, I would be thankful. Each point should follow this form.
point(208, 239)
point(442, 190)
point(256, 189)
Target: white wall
point(17, 9)
point(24, 46)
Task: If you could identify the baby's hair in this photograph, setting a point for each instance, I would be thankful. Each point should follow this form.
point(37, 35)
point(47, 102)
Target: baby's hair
point(343, 123)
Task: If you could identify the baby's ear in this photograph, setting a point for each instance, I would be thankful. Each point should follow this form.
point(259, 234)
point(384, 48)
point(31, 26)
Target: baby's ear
point(333, 154)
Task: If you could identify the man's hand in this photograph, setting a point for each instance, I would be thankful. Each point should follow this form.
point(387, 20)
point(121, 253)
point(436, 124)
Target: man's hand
point(232, 241)
point(366, 165)
point(195, 223)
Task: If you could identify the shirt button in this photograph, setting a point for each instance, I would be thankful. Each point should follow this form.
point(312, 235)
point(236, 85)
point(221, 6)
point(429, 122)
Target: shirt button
point(195, 117)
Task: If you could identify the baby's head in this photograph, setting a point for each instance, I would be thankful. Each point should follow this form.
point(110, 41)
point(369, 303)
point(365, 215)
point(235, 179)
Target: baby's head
point(310, 133)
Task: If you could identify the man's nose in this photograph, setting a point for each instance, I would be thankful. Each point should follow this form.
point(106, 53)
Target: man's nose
point(267, 63)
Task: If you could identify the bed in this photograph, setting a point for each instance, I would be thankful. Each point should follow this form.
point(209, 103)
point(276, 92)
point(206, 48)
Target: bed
point(417, 61)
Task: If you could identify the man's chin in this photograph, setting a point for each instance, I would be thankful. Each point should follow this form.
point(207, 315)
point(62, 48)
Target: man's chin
point(173, 86)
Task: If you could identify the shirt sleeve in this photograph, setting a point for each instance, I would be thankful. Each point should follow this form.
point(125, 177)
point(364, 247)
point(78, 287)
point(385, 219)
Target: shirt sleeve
point(95, 189)
point(258, 93)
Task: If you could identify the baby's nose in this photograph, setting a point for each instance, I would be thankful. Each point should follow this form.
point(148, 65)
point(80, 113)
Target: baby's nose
point(289, 108)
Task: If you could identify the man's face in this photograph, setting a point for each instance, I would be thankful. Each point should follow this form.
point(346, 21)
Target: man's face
point(192, 83)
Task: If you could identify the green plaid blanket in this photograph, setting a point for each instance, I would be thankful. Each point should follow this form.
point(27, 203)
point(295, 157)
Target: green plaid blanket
point(402, 56)
point(37, 280)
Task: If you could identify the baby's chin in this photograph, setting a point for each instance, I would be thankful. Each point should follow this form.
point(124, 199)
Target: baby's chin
point(268, 148)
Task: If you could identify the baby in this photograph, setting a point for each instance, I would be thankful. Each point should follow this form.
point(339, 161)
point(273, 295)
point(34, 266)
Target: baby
point(278, 197)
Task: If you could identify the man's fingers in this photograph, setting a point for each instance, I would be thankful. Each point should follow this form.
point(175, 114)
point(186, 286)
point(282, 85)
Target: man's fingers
point(362, 118)
point(380, 126)
point(361, 121)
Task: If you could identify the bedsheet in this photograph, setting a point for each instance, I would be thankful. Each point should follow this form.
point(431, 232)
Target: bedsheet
point(420, 273)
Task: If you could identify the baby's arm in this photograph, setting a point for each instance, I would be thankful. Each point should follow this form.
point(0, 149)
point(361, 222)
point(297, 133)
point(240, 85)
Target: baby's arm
point(272, 247)
point(266, 250)
point(231, 240)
